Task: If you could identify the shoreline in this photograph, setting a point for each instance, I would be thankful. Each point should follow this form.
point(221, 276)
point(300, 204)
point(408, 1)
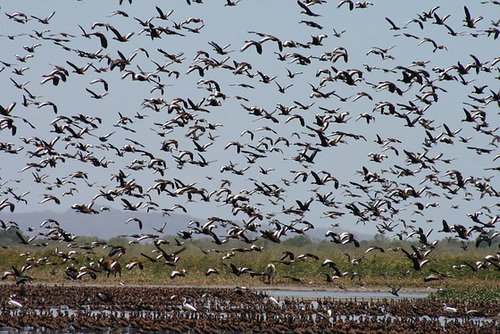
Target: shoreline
point(253, 287)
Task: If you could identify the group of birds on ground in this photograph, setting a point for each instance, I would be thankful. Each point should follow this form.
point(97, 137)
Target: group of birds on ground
point(180, 309)
point(282, 189)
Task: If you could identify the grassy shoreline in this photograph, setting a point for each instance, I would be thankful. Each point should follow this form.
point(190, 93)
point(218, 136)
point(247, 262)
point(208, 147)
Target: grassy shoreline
point(449, 267)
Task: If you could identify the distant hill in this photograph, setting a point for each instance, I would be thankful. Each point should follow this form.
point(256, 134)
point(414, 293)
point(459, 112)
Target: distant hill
point(108, 224)
point(104, 225)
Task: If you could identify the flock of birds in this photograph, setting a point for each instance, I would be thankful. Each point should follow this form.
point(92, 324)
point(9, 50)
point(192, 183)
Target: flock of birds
point(304, 111)
point(187, 310)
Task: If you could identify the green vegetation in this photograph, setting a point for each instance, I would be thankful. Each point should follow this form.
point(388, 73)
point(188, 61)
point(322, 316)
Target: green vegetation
point(450, 266)
point(8, 237)
point(468, 292)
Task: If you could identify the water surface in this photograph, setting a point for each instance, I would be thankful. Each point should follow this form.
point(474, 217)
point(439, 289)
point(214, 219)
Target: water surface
point(343, 294)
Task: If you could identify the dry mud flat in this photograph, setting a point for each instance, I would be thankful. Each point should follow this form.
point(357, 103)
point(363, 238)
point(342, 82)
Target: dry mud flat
point(95, 308)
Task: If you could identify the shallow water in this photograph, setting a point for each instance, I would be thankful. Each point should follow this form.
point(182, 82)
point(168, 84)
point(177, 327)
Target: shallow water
point(314, 294)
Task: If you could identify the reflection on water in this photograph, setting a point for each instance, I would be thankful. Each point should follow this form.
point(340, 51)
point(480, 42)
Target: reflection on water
point(313, 294)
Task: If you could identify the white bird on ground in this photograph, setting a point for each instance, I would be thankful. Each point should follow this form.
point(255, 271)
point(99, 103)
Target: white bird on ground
point(449, 309)
point(14, 303)
point(188, 306)
point(274, 301)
